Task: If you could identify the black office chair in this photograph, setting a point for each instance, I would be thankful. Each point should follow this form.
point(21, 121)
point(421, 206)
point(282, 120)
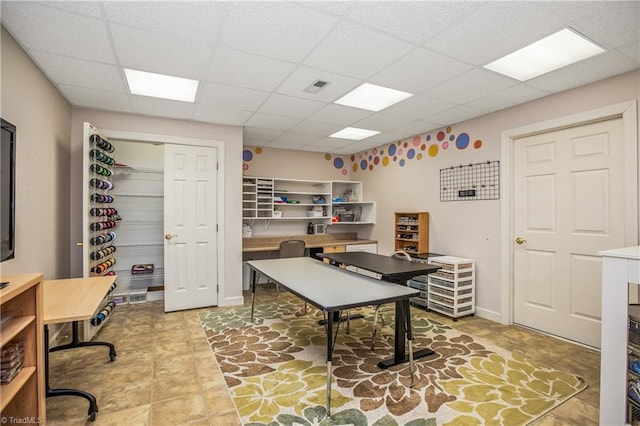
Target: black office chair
point(291, 248)
point(401, 254)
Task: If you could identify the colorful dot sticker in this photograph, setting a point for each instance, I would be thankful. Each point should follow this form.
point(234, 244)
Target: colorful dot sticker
point(462, 141)
point(433, 150)
point(338, 163)
point(247, 155)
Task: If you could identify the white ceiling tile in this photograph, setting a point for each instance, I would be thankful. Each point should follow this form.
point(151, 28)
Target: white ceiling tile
point(162, 107)
point(332, 145)
point(96, 99)
point(455, 115)
point(317, 128)
point(414, 128)
point(289, 106)
point(417, 107)
point(303, 77)
point(276, 29)
point(275, 122)
point(230, 97)
point(589, 70)
point(356, 51)
point(339, 8)
point(381, 122)
point(196, 21)
point(220, 114)
point(76, 72)
point(146, 51)
point(89, 8)
point(292, 140)
point(56, 31)
point(247, 70)
point(479, 38)
point(612, 23)
point(470, 86)
point(338, 114)
point(414, 21)
point(632, 51)
point(511, 96)
point(420, 70)
point(255, 136)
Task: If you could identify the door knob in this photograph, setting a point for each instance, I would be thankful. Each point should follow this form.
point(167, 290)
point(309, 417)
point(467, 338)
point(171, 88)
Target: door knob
point(169, 236)
point(520, 240)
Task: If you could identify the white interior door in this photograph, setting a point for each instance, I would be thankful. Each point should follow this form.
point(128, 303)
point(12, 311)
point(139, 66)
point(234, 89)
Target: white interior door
point(190, 212)
point(569, 204)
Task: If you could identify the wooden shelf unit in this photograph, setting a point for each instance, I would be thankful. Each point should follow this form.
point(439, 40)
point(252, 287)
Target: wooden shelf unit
point(412, 232)
point(21, 302)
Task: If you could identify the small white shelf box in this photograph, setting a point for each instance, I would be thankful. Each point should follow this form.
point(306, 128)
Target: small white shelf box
point(451, 290)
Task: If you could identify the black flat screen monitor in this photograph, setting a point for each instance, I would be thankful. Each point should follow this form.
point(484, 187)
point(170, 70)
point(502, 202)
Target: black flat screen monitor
point(7, 191)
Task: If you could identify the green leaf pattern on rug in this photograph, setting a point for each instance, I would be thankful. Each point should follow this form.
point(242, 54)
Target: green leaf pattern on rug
point(503, 391)
point(275, 370)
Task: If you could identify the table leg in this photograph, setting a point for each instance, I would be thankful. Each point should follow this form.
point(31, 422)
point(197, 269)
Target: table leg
point(49, 392)
point(399, 348)
point(329, 357)
point(254, 278)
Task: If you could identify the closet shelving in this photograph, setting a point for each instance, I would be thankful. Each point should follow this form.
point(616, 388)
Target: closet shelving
point(140, 195)
point(633, 364)
point(101, 218)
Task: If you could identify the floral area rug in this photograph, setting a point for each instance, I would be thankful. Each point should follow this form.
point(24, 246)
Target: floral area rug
point(275, 370)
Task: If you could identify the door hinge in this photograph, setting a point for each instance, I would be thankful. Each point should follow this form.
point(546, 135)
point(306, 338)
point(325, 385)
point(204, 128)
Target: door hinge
point(217, 166)
point(217, 288)
point(216, 227)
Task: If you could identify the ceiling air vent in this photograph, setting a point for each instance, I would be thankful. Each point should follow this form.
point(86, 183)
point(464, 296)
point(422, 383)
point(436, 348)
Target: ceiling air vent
point(317, 86)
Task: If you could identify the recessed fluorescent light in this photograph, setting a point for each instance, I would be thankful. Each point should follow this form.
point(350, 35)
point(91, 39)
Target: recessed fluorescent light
point(372, 97)
point(161, 86)
point(555, 51)
point(354, 133)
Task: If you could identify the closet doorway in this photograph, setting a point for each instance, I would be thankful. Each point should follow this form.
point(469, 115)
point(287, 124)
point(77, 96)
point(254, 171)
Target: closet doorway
point(168, 191)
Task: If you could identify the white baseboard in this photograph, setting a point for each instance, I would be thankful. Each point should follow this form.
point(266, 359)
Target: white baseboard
point(231, 301)
point(487, 314)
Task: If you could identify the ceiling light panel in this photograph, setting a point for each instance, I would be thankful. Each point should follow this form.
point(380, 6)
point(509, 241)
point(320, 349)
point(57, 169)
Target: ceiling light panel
point(372, 97)
point(161, 86)
point(354, 133)
point(555, 51)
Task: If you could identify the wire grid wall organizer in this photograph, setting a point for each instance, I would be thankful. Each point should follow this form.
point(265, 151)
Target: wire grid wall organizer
point(476, 181)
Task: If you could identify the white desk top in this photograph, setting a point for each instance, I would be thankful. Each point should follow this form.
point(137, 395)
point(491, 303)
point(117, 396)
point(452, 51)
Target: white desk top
point(327, 287)
point(625, 253)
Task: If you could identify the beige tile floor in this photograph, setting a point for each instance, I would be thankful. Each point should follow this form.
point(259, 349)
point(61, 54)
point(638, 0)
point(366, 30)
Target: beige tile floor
point(166, 374)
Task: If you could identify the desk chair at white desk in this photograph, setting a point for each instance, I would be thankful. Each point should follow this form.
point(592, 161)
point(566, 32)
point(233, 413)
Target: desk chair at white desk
point(333, 290)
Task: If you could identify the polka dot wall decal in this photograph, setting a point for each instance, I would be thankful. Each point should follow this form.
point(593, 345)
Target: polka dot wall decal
point(423, 147)
point(462, 141)
point(338, 163)
point(327, 157)
point(428, 138)
point(354, 167)
point(370, 167)
point(445, 145)
point(452, 138)
point(395, 158)
point(375, 151)
point(477, 144)
point(353, 158)
point(433, 150)
point(416, 140)
point(392, 149)
point(406, 144)
point(448, 129)
point(385, 161)
point(440, 135)
point(245, 166)
point(411, 153)
point(363, 164)
point(419, 156)
point(259, 150)
point(399, 152)
point(401, 162)
point(376, 160)
point(344, 172)
point(370, 157)
point(247, 155)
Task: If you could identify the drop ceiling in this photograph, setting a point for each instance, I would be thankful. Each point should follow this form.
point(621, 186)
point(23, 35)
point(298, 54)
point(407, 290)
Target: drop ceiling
point(254, 60)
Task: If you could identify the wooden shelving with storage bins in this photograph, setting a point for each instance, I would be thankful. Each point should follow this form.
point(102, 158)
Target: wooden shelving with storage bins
point(412, 232)
point(23, 397)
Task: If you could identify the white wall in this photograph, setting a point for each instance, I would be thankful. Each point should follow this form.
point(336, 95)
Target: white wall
point(231, 288)
point(473, 228)
point(42, 116)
